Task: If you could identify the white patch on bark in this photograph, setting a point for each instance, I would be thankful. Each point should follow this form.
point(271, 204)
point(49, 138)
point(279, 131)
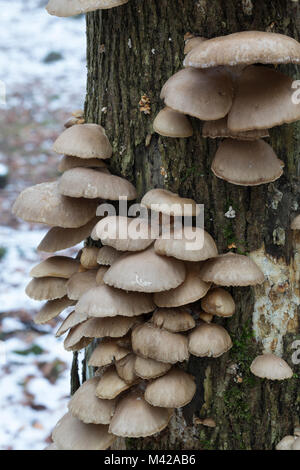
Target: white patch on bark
point(277, 300)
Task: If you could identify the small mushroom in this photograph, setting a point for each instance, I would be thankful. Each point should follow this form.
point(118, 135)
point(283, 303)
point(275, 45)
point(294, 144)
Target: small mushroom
point(147, 368)
point(218, 302)
point(52, 309)
point(126, 368)
point(111, 385)
point(56, 266)
point(44, 204)
point(71, 434)
point(245, 48)
point(68, 162)
point(66, 8)
point(210, 340)
point(85, 406)
point(107, 352)
point(246, 163)
point(92, 184)
point(187, 244)
point(219, 129)
point(174, 390)
point(123, 233)
point(174, 320)
point(170, 123)
point(272, 367)
point(84, 141)
point(204, 94)
point(107, 255)
point(89, 256)
point(58, 238)
point(286, 443)
point(81, 282)
point(145, 271)
point(231, 269)
point(104, 301)
point(168, 203)
point(191, 290)
point(47, 288)
point(161, 345)
point(134, 417)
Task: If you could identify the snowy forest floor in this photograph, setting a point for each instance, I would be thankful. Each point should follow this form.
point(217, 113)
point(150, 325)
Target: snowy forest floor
point(42, 66)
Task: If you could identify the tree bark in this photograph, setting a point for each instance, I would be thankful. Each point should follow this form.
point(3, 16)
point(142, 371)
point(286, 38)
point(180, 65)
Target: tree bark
point(132, 51)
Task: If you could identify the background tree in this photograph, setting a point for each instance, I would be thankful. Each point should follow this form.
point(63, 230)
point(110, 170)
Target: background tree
point(132, 51)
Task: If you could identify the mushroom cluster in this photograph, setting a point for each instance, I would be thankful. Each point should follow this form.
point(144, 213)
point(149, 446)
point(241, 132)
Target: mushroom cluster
point(237, 100)
point(66, 8)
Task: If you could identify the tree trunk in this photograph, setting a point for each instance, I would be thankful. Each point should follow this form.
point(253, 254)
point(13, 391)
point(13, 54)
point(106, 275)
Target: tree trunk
point(132, 51)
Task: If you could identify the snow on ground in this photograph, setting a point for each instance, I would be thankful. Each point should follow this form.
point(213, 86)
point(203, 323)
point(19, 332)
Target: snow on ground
point(42, 66)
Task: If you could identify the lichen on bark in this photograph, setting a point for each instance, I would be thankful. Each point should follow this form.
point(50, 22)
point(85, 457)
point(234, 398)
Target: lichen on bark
point(132, 51)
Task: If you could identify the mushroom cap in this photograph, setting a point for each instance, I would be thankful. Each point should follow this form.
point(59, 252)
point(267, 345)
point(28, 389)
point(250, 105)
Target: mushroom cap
point(190, 43)
point(71, 434)
point(111, 385)
point(173, 319)
point(107, 352)
point(263, 100)
point(126, 368)
point(218, 302)
point(123, 233)
point(104, 301)
point(296, 444)
point(75, 340)
point(134, 417)
point(58, 238)
point(84, 141)
point(296, 223)
point(65, 8)
point(46, 288)
point(231, 269)
point(188, 244)
point(73, 319)
point(192, 289)
point(115, 327)
point(246, 47)
point(166, 202)
point(52, 309)
point(206, 317)
point(56, 266)
point(246, 163)
point(158, 344)
point(210, 340)
point(145, 271)
point(170, 123)
point(81, 282)
point(286, 443)
point(88, 258)
point(174, 390)
point(93, 184)
point(272, 367)
point(44, 204)
point(219, 129)
point(68, 162)
point(147, 368)
point(85, 406)
point(204, 94)
point(107, 255)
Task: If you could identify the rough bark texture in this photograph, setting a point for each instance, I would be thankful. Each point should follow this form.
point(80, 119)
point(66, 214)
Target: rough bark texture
point(132, 51)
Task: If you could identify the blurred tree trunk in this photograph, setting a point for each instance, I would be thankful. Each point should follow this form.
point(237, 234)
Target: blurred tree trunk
point(132, 51)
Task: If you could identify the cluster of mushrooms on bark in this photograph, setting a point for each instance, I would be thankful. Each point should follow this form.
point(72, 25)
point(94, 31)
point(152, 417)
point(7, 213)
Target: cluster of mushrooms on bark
point(148, 303)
